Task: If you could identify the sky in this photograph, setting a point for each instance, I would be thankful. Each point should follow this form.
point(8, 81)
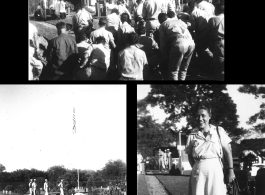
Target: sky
point(37, 126)
point(247, 105)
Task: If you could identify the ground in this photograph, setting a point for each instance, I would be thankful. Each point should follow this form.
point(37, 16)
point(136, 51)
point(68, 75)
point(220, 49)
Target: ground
point(155, 183)
point(48, 30)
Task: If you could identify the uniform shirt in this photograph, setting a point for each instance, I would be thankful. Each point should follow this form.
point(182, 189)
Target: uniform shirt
point(198, 20)
point(207, 7)
point(151, 9)
point(34, 185)
point(138, 13)
point(60, 185)
point(123, 32)
point(46, 185)
point(167, 6)
point(216, 26)
point(120, 8)
point(30, 183)
point(139, 158)
point(172, 28)
point(113, 20)
point(62, 7)
point(81, 18)
point(33, 34)
point(206, 147)
point(131, 62)
point(61, 48)
point(160, 154)
point(104, 33)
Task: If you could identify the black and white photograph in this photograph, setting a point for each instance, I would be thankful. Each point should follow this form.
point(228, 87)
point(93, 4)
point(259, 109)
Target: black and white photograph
point(126, 40)
point(201, 139)
point(63, 140)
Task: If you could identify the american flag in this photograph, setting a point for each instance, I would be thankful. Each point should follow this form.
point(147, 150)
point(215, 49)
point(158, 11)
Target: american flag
point(74, 128)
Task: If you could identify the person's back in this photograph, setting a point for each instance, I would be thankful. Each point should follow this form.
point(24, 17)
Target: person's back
point(113, 19)
point(124, 30)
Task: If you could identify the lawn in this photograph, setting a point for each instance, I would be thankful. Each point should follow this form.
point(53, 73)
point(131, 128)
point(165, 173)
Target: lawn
point(142, 187)
point(175, 185)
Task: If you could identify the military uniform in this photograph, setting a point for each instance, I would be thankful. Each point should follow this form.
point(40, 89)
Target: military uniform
point(161, 161)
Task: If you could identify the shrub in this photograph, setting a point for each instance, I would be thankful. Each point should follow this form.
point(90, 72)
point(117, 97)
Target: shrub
point(22, 189)
point(9, 188)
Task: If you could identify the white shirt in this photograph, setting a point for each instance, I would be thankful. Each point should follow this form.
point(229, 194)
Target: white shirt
point(32, 31)
point(46, 185)
point(104, 33)
point(114, 20)
point(38, 7)
point(62, 7)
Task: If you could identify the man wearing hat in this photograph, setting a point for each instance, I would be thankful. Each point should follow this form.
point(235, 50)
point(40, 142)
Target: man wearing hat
point(80, 21)
point(46, 187)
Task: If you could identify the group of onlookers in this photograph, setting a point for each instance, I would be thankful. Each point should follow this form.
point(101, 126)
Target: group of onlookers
point(160, 44)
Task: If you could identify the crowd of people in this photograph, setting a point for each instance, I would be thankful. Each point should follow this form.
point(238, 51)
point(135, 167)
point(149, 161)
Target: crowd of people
point(159, 45)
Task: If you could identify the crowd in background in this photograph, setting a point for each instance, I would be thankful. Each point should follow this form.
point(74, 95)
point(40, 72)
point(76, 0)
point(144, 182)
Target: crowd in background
point(158, 44)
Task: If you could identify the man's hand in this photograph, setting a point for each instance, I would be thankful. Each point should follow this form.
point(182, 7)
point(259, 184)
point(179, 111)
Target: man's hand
point(231, 175)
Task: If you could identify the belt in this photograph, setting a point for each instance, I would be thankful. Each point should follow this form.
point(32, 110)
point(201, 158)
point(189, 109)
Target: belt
point(151, 19)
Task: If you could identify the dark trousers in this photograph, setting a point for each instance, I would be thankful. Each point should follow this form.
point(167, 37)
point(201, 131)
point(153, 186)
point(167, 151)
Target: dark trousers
point(218, 57)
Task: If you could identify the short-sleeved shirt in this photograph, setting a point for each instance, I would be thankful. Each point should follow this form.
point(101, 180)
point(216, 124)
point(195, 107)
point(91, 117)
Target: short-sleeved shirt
point(123, 32)
point(62, 7)
point(104, 33)
point(61, 48)
point(45, 185)
point(131, 62)
point(206, 147)
point(34, 185)
point(172, 28)
point(113, 20)
point(81, 19)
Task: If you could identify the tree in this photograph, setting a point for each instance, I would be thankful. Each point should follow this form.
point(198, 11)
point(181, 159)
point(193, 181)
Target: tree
point(258, 91)
point(181, 101)
point(22, 189)
point(55, 173)
point(2, 168)
point(114, 170)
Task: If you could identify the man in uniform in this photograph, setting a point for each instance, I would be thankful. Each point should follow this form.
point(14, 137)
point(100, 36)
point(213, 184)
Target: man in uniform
point(161, 161)
point(176, 46)
point(165, 159)
point(34, 186)
point(80, 21)
point(61, 187)
point(151, 9)
point(169, 158)
point(46, 187)
point(30, 187)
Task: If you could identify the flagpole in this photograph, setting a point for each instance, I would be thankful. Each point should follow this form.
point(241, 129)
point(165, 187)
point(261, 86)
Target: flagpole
point(74, 132)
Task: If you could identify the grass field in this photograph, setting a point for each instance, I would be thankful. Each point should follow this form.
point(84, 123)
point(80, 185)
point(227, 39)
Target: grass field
point(142, 187)
point(175, 185)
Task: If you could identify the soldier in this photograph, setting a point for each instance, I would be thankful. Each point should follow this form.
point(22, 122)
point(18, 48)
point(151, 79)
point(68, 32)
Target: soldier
point(168, 158)
point(30, 186)
point(34, 186)
point(61, 187)
point(165, 159)
point(46, 187)
point(161, 162)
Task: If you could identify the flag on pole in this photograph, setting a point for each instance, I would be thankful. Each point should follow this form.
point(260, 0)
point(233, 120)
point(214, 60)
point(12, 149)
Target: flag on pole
point(74, 127)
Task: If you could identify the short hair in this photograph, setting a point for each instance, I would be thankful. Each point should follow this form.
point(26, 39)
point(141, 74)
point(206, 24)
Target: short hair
point(102, 21)
point(115, 10)
point(205, 106)
point(132, 38)
point(192, 4)
point(162, 17)
point(171, 14)
point(83, 37)
point(125, 17)
point(141, 28)
point(60, 25)
point(100, 39)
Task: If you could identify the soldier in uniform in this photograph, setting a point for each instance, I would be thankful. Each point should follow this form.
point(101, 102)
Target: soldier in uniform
point(61, 187)
point(34, 186)
point(161, 162)
point(168, 158)
point(165, 159)
point(30, 186)
point(46, 187)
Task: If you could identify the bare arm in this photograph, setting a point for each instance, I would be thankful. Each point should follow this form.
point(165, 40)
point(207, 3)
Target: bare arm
point(229, 159)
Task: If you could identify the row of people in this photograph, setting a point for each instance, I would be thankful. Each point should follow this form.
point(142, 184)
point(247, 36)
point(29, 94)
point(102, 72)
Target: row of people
point(128, 56)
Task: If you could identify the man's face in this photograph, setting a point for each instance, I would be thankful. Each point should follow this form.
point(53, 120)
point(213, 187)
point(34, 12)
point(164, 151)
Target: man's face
point(203, 118)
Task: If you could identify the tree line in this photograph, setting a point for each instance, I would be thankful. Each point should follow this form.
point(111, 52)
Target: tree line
point(18, 180)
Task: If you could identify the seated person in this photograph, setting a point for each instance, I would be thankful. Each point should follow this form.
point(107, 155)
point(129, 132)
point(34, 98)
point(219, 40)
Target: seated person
point(97, 65)
point(132, 61)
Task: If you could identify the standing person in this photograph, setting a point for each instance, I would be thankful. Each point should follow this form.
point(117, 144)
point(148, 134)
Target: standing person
point(151, 9)
point(138, 12)
point(165, 159)
point(39, 10)
point(46, 187)
point(113, 23)
point(30, 187)
point(139, 160)
point(176, 46)
point(81, 21)
point(34, 186)
point(61, 187)
point(167, 6)
point(132, 61)
point(60, 49)
point(169, 159)
point(216, 28)
point(247, 156)
point(124, 30)
point(62, 9)
point(120, 7)
point(204, 148)
point(161, 162)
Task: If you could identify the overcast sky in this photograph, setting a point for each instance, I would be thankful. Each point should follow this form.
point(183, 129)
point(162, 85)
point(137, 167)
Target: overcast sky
point(247, 105)
point(37, 123)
